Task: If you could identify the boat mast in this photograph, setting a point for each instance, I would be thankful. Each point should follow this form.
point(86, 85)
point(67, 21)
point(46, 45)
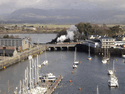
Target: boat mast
point(27, 80)
point(30, 73)
point(37, 69)
point(75, 55)
point(113, 66)
point(97, 90)
point(89, 49)
point(45, 55)
point(35, 73)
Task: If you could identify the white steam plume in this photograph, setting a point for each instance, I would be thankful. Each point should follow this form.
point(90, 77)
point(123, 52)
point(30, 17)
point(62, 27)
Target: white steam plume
point(70, 34)
point(61, 38)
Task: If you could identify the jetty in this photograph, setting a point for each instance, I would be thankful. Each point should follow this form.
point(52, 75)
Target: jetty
point(54, 86)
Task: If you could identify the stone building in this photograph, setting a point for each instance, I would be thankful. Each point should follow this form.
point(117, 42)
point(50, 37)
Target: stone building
point(14, 43)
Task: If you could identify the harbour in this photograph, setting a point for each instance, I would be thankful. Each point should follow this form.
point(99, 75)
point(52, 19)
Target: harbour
point(87, 76)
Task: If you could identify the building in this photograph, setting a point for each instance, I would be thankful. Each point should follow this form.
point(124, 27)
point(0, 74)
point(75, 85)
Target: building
point(93, 43)
point(107, 42)
point(12, 43)
point(31, 28)
point(94, 37)
point(8, 52)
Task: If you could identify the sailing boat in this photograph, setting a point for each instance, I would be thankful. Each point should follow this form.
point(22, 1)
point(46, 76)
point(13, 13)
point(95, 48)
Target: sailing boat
point(111, 72)
point(105, 59)
point(75, 61)
point(89, 57)
point(97, 90)
point(45, 62)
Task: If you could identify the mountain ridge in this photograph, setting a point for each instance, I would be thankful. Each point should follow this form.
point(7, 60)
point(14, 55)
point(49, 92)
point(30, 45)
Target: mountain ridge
point(33, 15)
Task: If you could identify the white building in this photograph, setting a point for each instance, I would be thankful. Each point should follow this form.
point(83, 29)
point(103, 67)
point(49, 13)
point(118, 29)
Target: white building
point(107, 42)
point(94, 37)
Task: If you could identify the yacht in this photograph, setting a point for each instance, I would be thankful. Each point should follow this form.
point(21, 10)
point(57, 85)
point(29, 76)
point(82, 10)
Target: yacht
point(123, 56)
point(104, 61)
point(75, 61)
point(74, 66)
point(45, 62)
point(111, 72)
point(49, 77)
point(105, 58)
point(113, 82)
point(39, 65)
point(89, 57)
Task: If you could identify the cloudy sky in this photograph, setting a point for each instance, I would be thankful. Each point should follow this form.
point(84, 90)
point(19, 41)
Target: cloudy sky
point(7, 6)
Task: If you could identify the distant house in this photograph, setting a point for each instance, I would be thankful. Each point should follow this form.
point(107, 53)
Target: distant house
point(107, 42)
point(30, 28)
point(7, 52)
point(12, 43)
point(94, 37)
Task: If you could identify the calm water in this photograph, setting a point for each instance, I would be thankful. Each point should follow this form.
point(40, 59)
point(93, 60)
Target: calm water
point(41, 38)
point(88, 75)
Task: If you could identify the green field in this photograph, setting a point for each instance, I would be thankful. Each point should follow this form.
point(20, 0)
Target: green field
point(48, 25)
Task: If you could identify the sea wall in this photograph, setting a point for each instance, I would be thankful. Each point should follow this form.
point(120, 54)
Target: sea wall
point(100, 51)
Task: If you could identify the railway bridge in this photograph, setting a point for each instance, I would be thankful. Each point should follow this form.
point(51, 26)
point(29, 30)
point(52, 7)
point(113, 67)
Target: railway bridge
point(62, 46)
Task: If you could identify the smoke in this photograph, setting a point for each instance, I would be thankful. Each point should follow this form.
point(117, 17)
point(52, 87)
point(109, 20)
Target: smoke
point(61, 38)
point(70, 34)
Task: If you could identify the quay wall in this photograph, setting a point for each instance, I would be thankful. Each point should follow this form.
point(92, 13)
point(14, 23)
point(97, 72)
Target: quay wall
point(21, 56)
point(100, 51)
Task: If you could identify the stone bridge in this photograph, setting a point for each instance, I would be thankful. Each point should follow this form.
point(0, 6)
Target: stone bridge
point(62, 46)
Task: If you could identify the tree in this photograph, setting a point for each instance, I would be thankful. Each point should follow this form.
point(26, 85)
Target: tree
point(62, 32)
point(6, 36)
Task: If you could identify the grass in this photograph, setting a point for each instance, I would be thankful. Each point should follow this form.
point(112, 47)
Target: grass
point(48, 25)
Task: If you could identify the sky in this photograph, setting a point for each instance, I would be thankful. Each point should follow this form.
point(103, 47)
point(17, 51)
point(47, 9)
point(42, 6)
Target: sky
point(8, 6)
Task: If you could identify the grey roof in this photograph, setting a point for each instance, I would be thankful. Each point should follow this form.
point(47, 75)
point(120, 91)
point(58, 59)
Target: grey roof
point(106, 38)
point(8, 52)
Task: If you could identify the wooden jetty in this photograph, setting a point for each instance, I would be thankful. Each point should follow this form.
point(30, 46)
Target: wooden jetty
point(54, 86)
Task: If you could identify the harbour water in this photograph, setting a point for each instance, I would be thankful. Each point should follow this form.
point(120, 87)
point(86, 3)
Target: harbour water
point(87, 76)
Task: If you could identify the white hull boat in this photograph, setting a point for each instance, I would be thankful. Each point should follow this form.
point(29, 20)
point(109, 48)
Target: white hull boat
point(49, 77)
point(123, 56)
point(113, 82)
point(110, 72)
point(104, 61)
point(74, 66)
point(89, 58)
point(76, 62)
point(45, 62)
point(39, 66)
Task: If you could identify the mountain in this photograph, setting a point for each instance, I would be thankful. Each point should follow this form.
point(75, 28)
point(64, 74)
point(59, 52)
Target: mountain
point(32, 15)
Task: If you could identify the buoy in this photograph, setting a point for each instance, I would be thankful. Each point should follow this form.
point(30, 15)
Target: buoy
point(79, 88)
point(123, 60)
point(69, 80)
point(4, 67)
point(72, 71)
point(116, 59)
point(80, 62)
point(116, 68)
